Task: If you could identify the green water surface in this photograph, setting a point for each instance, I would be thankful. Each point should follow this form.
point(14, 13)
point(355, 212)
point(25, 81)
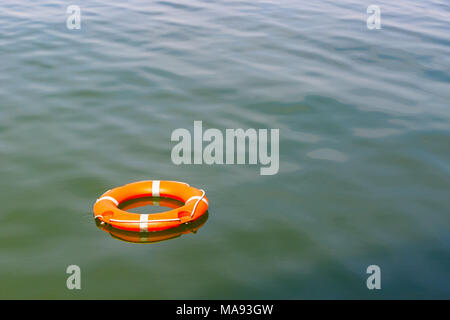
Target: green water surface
point(364, 146)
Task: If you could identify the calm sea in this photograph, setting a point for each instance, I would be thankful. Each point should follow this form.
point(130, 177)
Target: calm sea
point(364, 120)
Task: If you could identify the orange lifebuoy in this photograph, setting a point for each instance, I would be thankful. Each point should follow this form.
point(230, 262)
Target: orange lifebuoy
point(155, 236)
point(107, 211)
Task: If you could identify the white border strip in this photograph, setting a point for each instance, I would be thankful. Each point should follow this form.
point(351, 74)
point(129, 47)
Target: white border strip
point(155, 188)
point(108, 198)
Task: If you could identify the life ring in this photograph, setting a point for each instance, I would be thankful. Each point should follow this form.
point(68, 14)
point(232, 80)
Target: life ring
point(107, 211)
point(156, 236)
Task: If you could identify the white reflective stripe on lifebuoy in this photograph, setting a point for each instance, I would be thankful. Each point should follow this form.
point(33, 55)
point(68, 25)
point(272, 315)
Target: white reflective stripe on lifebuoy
point(108, 198)
point(155, 188)
point(196, 197)
point(143, 222)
